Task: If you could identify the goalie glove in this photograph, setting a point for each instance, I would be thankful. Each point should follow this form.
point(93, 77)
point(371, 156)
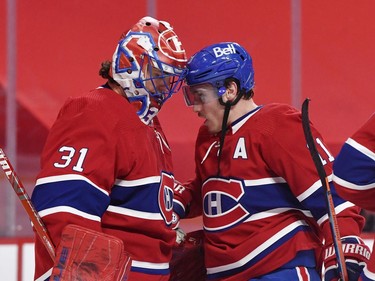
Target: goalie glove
point(85, 254)
point(356, 253)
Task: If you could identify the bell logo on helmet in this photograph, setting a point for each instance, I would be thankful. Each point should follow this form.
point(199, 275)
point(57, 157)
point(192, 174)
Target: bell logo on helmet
point(218, 51)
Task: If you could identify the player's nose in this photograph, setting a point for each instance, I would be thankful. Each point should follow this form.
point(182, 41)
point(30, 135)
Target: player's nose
point(197, 107)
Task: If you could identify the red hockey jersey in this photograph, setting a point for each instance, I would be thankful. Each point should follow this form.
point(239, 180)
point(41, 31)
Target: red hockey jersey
point(266, 209)
point(354, 176)
point(103, 169)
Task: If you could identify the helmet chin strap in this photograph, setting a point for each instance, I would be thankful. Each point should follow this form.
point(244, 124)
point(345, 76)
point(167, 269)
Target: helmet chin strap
point(224, 126)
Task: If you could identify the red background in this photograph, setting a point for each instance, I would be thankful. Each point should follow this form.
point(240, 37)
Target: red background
point(60, 45)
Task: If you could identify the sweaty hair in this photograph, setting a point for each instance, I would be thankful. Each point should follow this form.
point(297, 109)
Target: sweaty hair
point(246, 95)
point(104, 70)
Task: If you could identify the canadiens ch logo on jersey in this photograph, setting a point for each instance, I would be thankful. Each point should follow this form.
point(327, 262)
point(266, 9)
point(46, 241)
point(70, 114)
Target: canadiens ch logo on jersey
point(221, 203)
point(166, 197)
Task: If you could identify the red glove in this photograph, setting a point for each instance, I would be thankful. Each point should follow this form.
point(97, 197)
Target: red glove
point(356, 253)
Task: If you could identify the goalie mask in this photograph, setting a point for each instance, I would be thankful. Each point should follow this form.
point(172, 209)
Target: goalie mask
point(149, 64)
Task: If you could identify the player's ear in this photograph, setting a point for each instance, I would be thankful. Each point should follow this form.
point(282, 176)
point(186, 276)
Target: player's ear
point(231, 91)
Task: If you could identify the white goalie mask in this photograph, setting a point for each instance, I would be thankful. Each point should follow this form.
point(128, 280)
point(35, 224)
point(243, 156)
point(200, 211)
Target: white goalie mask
point(149, 64)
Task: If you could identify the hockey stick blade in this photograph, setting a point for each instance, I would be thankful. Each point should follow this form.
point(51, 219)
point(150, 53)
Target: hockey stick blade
point(22, 195)
point(324, 181)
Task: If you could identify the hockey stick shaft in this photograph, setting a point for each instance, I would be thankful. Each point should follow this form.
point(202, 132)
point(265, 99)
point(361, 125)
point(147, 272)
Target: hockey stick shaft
point(324, 181)
point(20, 190)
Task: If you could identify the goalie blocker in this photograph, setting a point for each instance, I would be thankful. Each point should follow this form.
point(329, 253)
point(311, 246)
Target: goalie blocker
point(85, 254)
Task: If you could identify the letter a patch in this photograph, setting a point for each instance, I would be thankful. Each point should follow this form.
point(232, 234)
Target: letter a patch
point(240, 150)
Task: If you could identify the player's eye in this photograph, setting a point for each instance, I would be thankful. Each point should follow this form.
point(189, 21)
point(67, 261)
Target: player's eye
point(203, 98)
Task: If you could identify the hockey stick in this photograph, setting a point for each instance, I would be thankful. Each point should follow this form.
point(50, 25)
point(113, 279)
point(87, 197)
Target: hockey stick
point(324, 180)
point(26, 203)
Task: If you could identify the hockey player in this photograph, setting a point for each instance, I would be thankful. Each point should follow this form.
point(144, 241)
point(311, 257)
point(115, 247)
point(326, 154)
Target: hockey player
point(354, 177)
point(264, 211)
point(106, 164)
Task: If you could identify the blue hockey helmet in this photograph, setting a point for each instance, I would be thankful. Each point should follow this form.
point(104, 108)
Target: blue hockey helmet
point(218, 62)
